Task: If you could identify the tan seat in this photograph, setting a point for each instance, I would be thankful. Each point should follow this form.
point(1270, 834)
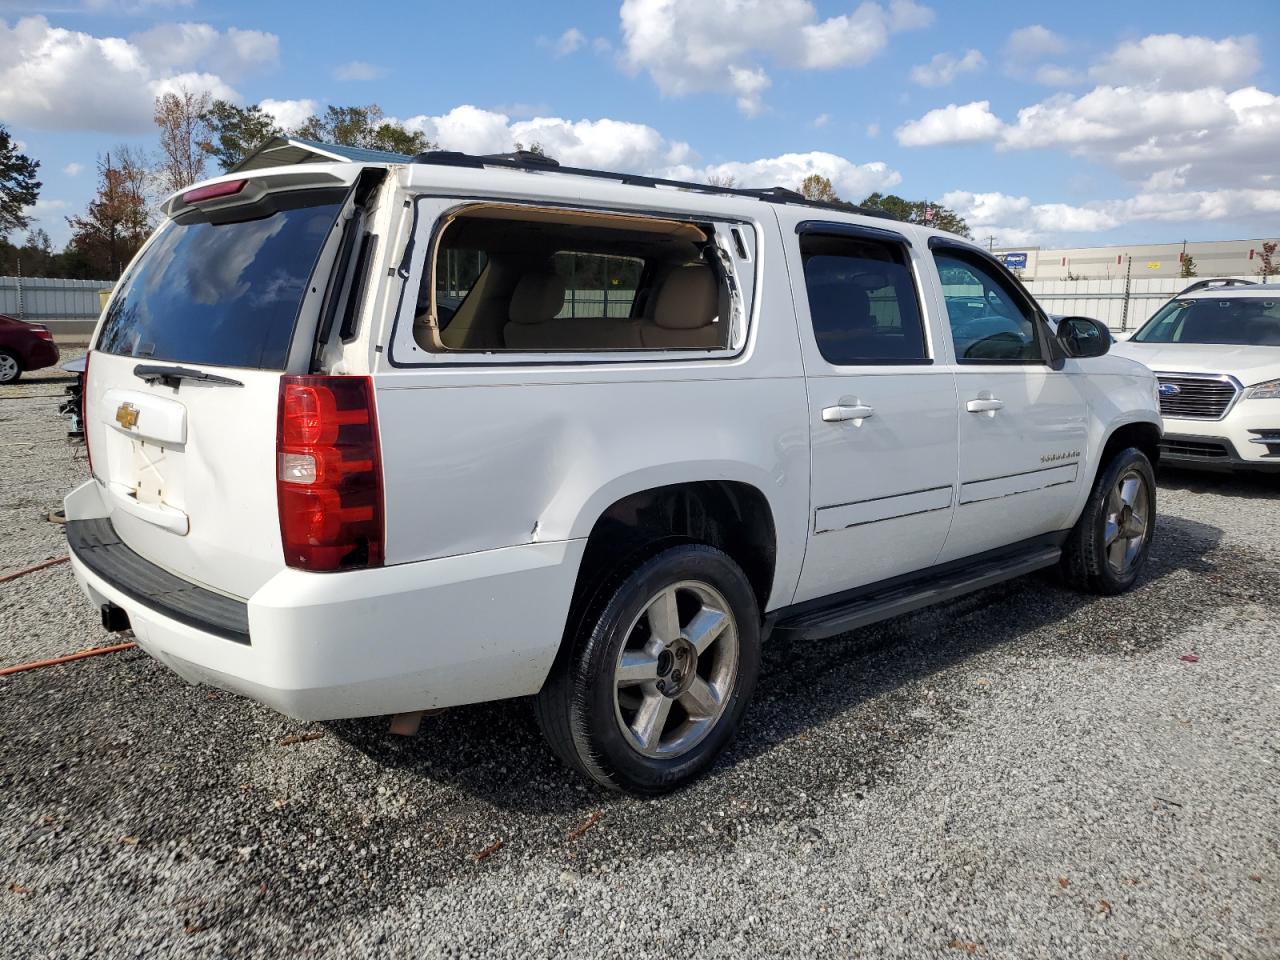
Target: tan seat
point(536, 300)
point(685, 314)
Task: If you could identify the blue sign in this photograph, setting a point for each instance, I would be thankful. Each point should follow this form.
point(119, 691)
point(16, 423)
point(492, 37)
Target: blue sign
point(1014, 261)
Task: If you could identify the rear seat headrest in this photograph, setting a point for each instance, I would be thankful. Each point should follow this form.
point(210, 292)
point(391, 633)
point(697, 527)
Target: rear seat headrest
point(537, 298)
point(688, 299)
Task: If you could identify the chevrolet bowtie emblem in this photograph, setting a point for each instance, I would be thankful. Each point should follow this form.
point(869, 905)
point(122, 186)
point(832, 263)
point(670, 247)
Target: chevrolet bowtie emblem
point(127, 415)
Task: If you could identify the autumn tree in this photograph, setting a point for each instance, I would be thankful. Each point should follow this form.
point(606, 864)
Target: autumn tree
point(817, 187)
point(119, 216)
point(1268, 252)
point(19, 187)
point(184, 128)
point(233, 132)
point(918, 211)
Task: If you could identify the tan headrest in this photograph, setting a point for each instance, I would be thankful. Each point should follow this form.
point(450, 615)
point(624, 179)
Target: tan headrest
point(688, 299)
point(537, 297)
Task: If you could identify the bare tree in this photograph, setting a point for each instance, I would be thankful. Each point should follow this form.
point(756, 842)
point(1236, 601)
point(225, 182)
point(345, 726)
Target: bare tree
point(726, 180)
point(184, 128)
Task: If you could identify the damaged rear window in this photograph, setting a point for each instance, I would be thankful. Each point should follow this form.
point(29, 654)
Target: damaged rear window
point(222, 292)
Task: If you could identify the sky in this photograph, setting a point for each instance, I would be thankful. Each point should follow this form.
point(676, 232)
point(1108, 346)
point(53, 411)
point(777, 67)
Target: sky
point(1064, 124)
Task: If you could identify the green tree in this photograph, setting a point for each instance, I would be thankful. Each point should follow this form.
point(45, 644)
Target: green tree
point(1188, 266)
point(19, 187)
point(233, 132)
point(918, 211)
point(363, 127)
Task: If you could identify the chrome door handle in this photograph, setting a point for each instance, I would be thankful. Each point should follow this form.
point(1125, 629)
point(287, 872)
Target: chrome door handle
point(986, 404)
point(856, 411)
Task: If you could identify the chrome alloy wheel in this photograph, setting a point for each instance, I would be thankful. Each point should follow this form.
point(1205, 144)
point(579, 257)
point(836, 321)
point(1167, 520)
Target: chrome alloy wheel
point(676, 670)
point(8, 368)
point(1128, 521)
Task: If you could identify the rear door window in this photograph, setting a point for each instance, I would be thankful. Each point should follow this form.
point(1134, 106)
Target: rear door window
point(215, 290)
point(862, 301)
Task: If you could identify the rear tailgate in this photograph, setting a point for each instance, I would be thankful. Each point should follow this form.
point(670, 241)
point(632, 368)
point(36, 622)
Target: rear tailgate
point(183, 383)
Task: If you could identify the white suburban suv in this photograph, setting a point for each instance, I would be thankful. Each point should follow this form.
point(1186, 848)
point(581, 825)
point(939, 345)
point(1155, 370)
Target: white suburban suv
point(374, 439)
point(1216, 353)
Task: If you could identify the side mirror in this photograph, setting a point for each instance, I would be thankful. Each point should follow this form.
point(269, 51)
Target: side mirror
point(1084, 337)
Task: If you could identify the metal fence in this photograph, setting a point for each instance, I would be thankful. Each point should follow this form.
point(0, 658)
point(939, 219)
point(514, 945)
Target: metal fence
point(45, 300)
point(1119, 303)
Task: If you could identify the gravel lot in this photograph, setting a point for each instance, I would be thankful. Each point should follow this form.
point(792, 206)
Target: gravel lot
point(1022, 773)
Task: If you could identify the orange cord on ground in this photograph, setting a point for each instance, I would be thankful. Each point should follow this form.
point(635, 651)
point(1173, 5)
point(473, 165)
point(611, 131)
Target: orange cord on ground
point(33, 568)
point(53, 662)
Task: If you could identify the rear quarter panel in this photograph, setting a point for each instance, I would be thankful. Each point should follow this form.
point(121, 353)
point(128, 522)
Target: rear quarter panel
point(481, 457)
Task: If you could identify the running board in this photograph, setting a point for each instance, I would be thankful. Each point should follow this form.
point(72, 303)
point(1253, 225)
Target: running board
point(893, 601)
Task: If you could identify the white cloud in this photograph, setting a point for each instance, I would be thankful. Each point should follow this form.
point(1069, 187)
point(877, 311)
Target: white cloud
point(821, 120)
point(1017, 220)
point(1034, 42)
point(1053, 75)
point(73, 169)
point(945, 67)
point(873, 129)
point(853, 181)
point(186, 46)
point(569, 41)
point(608, 144)
point(359, 70)
point(1171, 61)
point(289, 114)
point(968, 123)
point(58, 79)
point(718, 45)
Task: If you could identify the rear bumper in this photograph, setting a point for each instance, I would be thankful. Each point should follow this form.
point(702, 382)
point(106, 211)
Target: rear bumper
point(1237, 442)
point(466, 629)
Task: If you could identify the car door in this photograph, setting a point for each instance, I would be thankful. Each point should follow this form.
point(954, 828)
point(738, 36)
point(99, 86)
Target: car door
point(1023, 423)
point(882, 412)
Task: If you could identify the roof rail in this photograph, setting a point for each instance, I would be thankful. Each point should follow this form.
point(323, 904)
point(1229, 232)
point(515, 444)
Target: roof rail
point(540, 163)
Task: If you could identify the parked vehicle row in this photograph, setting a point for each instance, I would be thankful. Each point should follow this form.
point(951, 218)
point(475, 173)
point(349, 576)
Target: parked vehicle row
point(355, 452)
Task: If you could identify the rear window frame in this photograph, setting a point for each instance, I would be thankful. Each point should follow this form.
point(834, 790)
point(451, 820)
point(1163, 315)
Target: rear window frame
point(296, 356)
point(413, 263)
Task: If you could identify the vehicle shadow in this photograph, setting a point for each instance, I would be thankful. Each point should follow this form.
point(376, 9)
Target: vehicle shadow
point(1254, 486)
point(863, 680)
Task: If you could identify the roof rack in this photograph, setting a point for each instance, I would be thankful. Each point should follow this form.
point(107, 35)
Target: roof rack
point(540, 163)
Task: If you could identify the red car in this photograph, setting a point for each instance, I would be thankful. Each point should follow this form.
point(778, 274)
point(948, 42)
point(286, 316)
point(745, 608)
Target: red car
point(24, 346)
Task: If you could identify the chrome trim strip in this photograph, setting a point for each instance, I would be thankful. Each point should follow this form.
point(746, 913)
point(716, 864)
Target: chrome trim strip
point(895, 506)
point(1030, 481)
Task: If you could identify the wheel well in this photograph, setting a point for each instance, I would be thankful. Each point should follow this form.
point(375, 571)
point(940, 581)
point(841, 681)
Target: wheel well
point(1144, 436)
point(728, 515)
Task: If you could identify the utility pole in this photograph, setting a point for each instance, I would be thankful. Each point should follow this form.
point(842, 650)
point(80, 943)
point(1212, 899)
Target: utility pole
point(991, 241)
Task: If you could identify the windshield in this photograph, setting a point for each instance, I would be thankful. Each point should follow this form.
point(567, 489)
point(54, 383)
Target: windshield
point(224, 293)
point(1242, 321)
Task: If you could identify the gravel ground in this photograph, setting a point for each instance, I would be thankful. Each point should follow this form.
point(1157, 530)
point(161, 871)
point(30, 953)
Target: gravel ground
point(1022, 773)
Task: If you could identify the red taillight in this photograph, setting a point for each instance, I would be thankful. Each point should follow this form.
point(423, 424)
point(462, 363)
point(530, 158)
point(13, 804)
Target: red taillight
point(84, 409)
point(329, 473)
point(42, 333)
point(228, 188)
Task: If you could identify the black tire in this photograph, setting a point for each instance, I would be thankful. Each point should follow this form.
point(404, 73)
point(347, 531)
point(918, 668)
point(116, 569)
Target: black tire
point(10, 368)
point(580, 707)
point(1086, 564)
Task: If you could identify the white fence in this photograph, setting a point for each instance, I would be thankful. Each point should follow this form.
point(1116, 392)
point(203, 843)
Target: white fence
point(1106, 300)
